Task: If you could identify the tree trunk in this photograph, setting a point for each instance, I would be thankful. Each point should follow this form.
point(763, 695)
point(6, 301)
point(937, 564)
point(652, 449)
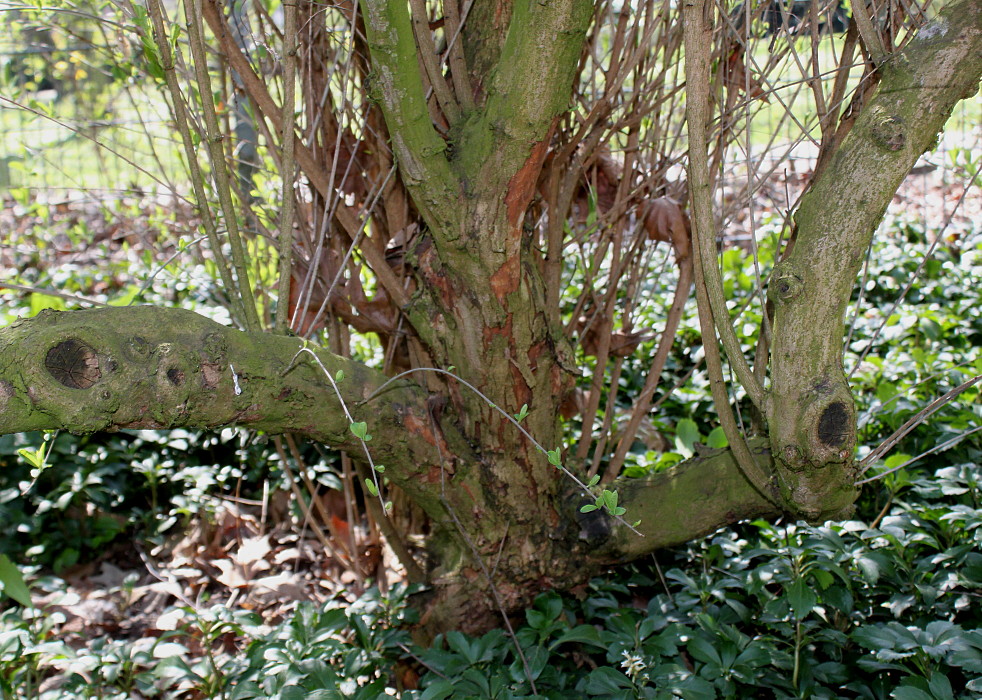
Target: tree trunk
point(502, 512)
point(811, 411)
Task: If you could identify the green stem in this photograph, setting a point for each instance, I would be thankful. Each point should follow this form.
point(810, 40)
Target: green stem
point(698, 35)
point(219, 170)
point(698, 42)
point(197, 179)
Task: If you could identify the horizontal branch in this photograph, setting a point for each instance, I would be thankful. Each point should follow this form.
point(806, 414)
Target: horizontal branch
point(145, 367)
point(690, 500)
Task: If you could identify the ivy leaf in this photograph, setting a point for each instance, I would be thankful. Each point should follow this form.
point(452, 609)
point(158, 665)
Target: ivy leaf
point(801, 597)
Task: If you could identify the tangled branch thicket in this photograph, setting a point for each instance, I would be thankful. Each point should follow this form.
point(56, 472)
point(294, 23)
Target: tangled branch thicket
point(786, 87)
point(608, 227)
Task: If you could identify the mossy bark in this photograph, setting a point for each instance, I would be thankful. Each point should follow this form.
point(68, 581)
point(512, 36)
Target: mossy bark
point(690, 500)
point(479, 298)
point(145, 367)
point(811, 412)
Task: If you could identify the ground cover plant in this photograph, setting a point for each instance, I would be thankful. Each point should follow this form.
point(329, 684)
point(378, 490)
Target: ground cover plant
point(477, 288)
point(884, 605)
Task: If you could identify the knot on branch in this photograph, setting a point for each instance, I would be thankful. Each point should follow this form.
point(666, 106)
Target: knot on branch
point(888, 133)
point(834, 425)
point(786, 284)
point(74, 364)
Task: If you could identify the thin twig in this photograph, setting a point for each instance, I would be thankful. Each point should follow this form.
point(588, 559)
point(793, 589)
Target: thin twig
point(643, 402)
point(100, 144)
point(197, 178)
point(307, 506)
point(285, 248)
point(192, 11)
point(916, 420)
point(52, 293)
point(871, 37)
point(457, 60)
point(347, 413)
point(479, 559)
point(917, 273)
point(583, 487)
point(428, 57)
point(697, 35)
point(937, 448)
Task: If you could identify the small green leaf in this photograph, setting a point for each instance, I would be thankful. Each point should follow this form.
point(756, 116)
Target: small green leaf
point(451, 368)
point(717, 438)
point(520, 416)
point(339, 376)
point(554, 457)
point(12, 582)
point(619, 510)
point(34, 457)
point(895, 460)
point(588, 508)
point(380, 468)
point(29, 456)
point(360, 430)
point(370, 485)
point(594, 480)
point(610, 499)
point(635, 523)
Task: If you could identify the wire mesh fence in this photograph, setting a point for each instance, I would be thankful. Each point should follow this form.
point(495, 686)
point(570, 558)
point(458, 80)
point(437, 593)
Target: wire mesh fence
point(77, 116)
point(72, 119)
